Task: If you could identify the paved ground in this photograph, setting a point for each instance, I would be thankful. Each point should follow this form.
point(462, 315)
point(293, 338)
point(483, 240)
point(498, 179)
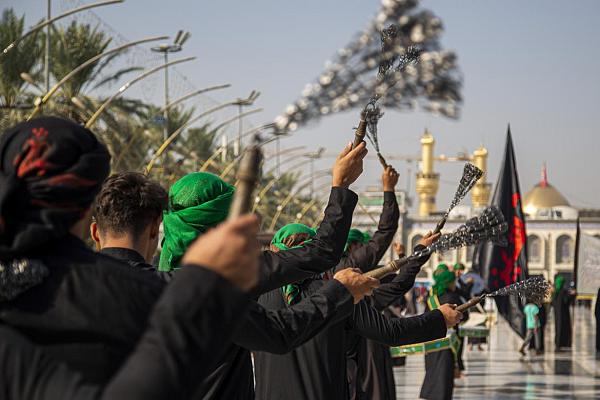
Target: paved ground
point(501, 373)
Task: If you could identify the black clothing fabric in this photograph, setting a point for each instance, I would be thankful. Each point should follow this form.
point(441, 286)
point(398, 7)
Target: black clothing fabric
point(562, 318)
point(191, 323)
point(597, 315)
point(89, 312)
point(50, 171)
point(367, 257)
point(317, 369)
point(370, 373)
point(130, 256)
point(439, 376)
point(233, 378)
point(439, 366)
point(136, 260)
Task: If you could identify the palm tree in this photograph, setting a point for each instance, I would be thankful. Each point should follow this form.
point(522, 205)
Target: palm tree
point(74, 45)
point(23, 58)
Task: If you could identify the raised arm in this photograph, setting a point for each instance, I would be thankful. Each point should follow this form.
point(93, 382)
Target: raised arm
point(325, 249)
point(372, 324)
point(401, 283)
point(387, 293)
point(367, 257)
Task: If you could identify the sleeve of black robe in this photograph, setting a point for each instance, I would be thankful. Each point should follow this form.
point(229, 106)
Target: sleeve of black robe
point(280, 331)
point(401, 283)
point(372, 324)
point(320, 254)
point(368, 256)
point(189, 328)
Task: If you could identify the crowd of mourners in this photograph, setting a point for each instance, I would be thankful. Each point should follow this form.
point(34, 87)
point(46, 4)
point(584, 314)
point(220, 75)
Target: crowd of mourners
point(214, 317)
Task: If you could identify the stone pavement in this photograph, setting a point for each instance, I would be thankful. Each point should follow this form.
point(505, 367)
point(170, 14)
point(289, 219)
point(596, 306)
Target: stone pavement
point(501, 373)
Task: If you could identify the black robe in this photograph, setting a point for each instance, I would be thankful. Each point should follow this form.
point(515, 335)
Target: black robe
point(439, 366)
point(562, 318)
point(370, 366)
point(189, 327)
point(92, 309)
point(317, 369)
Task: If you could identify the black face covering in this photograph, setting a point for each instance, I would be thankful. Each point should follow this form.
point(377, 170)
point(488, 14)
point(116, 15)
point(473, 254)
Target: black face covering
point(50, 171)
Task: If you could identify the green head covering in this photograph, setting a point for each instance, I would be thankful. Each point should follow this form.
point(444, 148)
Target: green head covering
point(442, 280)
point(289, 230)
point(291, 291)
point(458, 267)
point(440, 268)
point(356, 236)
point(559, 282)
point(197, 202)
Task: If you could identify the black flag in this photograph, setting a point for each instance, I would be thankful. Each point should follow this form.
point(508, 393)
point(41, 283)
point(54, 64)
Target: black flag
point(501, 266)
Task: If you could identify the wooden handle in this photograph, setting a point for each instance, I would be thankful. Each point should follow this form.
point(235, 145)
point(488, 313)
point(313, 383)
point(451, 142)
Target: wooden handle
point(247, 177)
point(439, 226)
point(387, 269)
point(361, 131)
point(471, 303)
point(384, 163)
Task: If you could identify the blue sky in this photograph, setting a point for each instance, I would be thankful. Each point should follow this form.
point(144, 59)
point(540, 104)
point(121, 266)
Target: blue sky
point(532, 63)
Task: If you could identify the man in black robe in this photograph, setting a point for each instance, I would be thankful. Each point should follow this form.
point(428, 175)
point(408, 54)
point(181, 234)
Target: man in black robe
point(562, 298)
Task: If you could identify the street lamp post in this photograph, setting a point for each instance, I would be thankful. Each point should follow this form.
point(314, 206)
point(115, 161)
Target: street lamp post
point(165, 49)
point(47, 49)
point(241, 103)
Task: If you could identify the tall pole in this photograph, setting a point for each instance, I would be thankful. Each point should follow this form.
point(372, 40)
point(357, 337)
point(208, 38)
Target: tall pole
point(47, 50)
point(237, 148)
point(278, 159)
point(166, 110)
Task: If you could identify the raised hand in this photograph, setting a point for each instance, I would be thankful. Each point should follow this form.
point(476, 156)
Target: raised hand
point(390, 179)
point(429, 239)
point(231, 250)
point(349, 165)
point(357, 284)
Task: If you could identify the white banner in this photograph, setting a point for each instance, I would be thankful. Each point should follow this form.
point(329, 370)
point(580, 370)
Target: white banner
point(588, 268)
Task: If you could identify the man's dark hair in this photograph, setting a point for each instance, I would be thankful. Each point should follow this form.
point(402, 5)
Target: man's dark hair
point(128, 202)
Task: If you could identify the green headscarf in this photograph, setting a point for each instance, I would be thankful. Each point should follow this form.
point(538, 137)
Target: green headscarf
point(440, 268)
point(442, 280)
point(289, 230)
point(291, 291)
point(356, 236)
point(559, 282)
point(197, 202)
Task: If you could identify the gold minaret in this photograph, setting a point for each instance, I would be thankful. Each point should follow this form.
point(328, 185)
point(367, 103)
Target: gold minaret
point(427, 180)
point(480, 195)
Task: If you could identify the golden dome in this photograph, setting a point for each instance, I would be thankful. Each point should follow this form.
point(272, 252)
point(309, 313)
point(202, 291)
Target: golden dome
point(543, 195)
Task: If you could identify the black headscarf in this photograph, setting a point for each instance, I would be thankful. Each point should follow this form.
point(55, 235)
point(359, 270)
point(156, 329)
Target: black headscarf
point(50, 171)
